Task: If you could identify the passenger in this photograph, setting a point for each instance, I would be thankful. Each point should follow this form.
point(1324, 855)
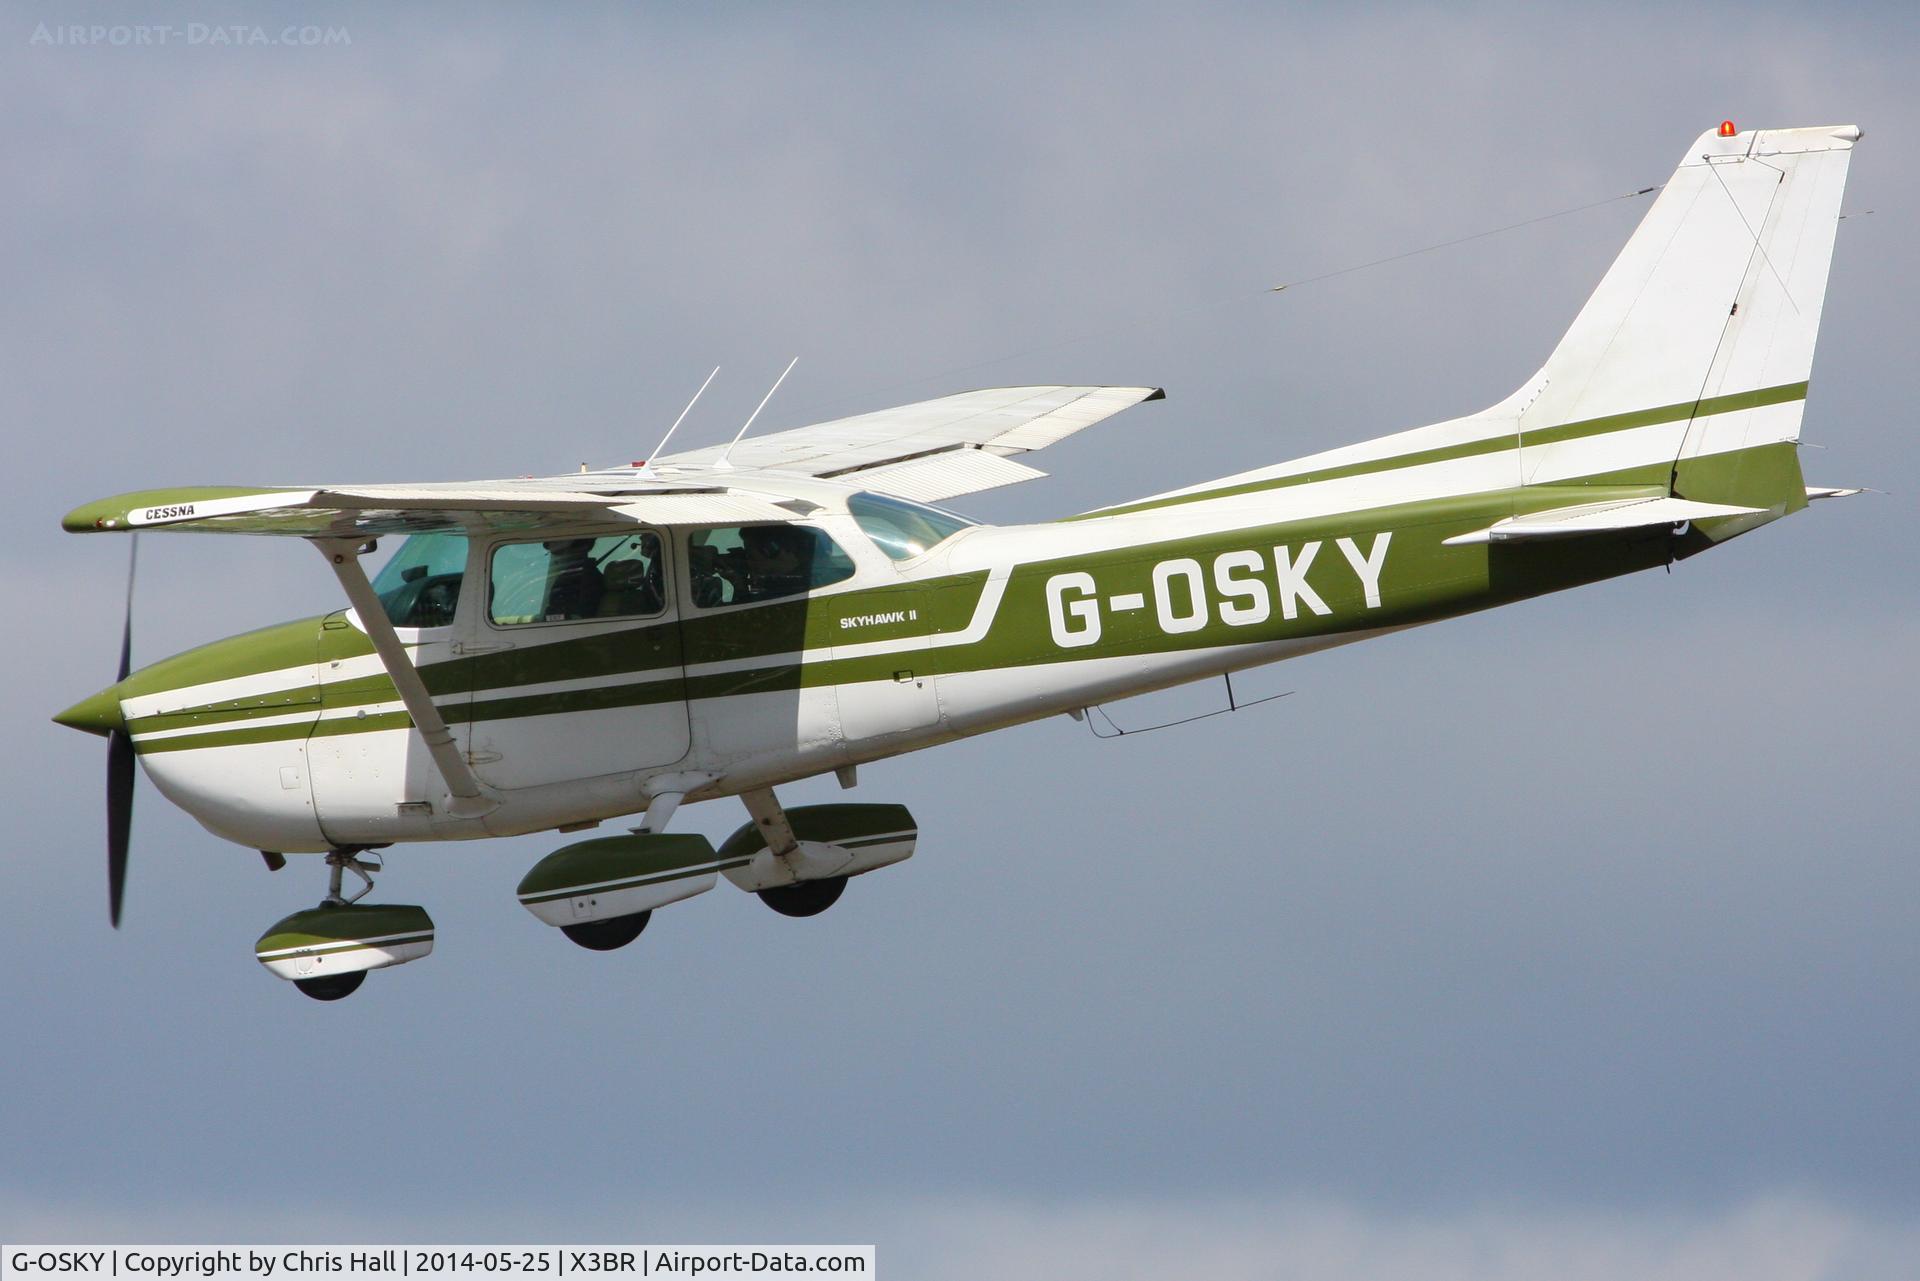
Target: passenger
point(632, 587)
point(709, 585)
point(574, 582)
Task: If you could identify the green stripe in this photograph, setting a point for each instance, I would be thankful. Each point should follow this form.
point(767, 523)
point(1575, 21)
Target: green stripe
point(1422, 581)
point(846, 824)
point(944, 605)
point(608, 887)
point(1708, 407)
point(347, 945)
point(880, 840)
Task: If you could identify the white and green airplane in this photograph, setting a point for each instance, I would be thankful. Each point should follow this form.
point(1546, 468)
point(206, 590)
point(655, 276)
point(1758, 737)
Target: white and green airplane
point(550, 654)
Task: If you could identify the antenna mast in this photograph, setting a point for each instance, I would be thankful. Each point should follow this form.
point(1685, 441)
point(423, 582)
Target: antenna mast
point(657, 449)
point(756, 413)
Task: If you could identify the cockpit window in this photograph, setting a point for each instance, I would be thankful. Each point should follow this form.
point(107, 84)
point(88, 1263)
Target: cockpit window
point(420, 586)
point(903, 529)
point(745, 564)
point(561, 580)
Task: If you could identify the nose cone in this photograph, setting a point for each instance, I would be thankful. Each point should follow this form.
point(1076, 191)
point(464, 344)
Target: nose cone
point(97, 714)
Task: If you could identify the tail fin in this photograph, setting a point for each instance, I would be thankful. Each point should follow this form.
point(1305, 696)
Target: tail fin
point(1690, 361)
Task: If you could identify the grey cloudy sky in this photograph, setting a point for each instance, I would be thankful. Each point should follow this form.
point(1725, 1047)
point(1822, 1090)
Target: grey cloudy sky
point(1579, 936)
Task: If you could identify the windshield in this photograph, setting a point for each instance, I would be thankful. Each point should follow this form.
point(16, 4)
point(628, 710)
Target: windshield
point(420, 586)
point(903, 529)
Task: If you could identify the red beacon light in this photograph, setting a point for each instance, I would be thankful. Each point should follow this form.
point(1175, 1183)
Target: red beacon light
point(1727, 130)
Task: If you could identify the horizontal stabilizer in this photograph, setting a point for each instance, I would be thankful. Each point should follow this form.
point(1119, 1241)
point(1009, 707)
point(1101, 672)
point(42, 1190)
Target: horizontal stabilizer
point(1599, 518)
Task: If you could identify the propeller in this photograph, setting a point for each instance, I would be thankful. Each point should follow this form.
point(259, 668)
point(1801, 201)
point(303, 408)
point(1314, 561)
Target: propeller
point(120, 768)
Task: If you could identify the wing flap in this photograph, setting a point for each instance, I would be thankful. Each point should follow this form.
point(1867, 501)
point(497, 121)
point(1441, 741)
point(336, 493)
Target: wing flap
point(947, 474)
point(1598, 518)
point(1001, 420)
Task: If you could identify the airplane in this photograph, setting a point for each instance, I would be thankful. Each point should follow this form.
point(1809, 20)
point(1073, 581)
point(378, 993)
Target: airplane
point(551, 654)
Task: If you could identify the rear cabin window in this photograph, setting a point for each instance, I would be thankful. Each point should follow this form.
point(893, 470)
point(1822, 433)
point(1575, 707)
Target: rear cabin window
point(900, 528)
point(420, 586)
point(746, 564)
point(560, 580)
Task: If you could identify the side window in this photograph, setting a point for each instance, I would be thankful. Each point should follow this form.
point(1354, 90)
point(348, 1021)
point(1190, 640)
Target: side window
point(900, 528)
point(745, 564)
point(566, 579)
point(420, 586)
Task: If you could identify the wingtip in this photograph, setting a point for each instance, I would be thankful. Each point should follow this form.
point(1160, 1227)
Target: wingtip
point(91, 517)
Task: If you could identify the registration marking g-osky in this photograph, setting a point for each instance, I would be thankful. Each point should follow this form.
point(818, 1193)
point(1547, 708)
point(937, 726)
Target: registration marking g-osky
point(1241, 588)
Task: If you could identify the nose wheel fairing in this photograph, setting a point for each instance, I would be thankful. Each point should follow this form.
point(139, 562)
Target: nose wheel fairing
point(326, 951)
point(345, 938)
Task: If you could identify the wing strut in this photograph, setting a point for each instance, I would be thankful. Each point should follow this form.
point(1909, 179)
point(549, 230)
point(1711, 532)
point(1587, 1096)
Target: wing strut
point(469, 798)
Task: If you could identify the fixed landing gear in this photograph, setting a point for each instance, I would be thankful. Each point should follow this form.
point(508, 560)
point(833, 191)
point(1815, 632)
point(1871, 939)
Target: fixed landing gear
point(331, 987)
point(610, 934)
point(804, 898)
point(327, 950)
point(342, 861)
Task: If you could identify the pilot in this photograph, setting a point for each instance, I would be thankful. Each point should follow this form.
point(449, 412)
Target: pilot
point(779, 560)
point(574, 582)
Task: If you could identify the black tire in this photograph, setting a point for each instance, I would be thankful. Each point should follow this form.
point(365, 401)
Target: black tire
point(605, 936)
point(804, 898)
point(332, 987)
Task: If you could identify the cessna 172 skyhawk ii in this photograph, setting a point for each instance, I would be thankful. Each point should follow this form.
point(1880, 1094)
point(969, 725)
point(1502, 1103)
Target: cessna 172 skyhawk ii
point(549, 654)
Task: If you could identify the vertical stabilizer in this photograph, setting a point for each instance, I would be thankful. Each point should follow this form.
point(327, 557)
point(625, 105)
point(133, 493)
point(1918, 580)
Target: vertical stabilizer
point(1695, 350)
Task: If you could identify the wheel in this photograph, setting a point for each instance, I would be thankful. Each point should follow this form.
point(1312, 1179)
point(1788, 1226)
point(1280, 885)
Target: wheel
point(804, 898)
point(605, 936)
point(332, 987)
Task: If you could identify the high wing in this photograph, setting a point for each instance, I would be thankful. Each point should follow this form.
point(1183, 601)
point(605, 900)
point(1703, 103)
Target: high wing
point(375, 510)
point(932, 449)
point(927, 451)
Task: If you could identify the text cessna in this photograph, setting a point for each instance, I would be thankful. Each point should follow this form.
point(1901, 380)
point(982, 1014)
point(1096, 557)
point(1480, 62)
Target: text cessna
point(1241, 588)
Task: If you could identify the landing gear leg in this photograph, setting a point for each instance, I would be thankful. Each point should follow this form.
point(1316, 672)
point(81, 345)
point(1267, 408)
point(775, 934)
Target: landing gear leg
point(801, 898)
point(327, 950)
point(348, 860)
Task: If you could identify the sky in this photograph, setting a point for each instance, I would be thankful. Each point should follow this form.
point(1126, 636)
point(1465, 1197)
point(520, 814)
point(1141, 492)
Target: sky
point(1578, 936)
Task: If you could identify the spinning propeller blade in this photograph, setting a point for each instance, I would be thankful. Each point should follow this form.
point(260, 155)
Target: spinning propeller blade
point(120, 770)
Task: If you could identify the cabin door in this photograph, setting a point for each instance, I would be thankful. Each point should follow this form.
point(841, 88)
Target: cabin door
point(576, 662)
